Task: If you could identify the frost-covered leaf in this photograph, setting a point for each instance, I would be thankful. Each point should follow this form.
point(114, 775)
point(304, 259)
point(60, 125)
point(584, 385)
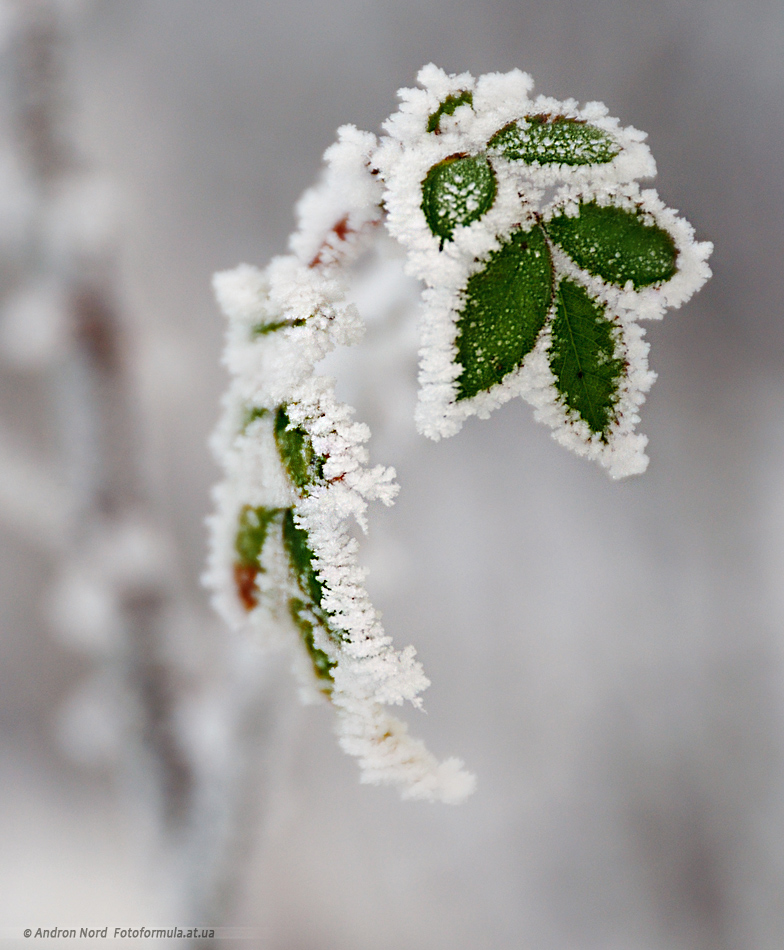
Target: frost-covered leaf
point(554, 140)
point(295, 540)
point(262, 329)
point(447, 107)
point(506, 305)
point(252, 529)
point(615, 244)
point(457, 191)
point(304, 467)
point(252, 533)
point(322, 664)
point(251, 414)
point(251, 536)
point(582, 357)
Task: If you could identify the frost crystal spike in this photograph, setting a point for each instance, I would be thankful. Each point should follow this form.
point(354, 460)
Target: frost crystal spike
point(539, 253)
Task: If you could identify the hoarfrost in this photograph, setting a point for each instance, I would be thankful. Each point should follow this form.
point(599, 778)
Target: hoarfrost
point(283, 562)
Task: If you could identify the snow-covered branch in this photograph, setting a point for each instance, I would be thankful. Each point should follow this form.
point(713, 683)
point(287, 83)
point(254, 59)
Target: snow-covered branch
point(539, 253)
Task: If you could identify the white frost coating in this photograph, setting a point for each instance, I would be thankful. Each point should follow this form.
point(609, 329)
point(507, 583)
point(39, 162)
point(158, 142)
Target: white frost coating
point(347, 193)
point(524, 198)
point(282, 321)
point(285, 319)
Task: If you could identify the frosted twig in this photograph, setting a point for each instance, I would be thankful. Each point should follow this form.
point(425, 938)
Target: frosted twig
point(539, 253)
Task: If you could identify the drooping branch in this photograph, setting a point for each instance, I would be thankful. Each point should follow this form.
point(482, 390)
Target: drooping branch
point(539, 253)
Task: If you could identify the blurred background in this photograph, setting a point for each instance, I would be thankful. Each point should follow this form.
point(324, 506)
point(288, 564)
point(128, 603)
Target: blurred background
point(608, 657)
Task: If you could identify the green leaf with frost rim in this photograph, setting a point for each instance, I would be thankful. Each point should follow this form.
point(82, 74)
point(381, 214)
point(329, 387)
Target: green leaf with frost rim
point(252, 533)
point(447, 107)
point(322, 664)
point(615, 244)
point(252, 529)
point(250, 414)
point(554, 140)
point(262, 329)
point(582, 357)
point(295, 540)
point(457, 191)
point(506, 305)
point(297, 545)
point(303, 465)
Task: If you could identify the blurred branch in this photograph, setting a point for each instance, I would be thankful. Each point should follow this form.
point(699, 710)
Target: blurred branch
point(94, 408)
point(102, 527)
point(32, 501)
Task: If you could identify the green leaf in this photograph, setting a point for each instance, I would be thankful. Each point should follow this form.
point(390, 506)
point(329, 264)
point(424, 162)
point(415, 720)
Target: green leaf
point(296, 452)
point(554, 140)
point(251, 414)
point(262, 329)
point(252, 529)
point(295, 540)
point(322, 665)
point(616, 245)
point(506, 305)
point(448, 107)
point(254, 524)
point(456, 192)
point(582, 357)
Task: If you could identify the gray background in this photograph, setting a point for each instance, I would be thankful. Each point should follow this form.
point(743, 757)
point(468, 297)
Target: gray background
point(607, 657)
